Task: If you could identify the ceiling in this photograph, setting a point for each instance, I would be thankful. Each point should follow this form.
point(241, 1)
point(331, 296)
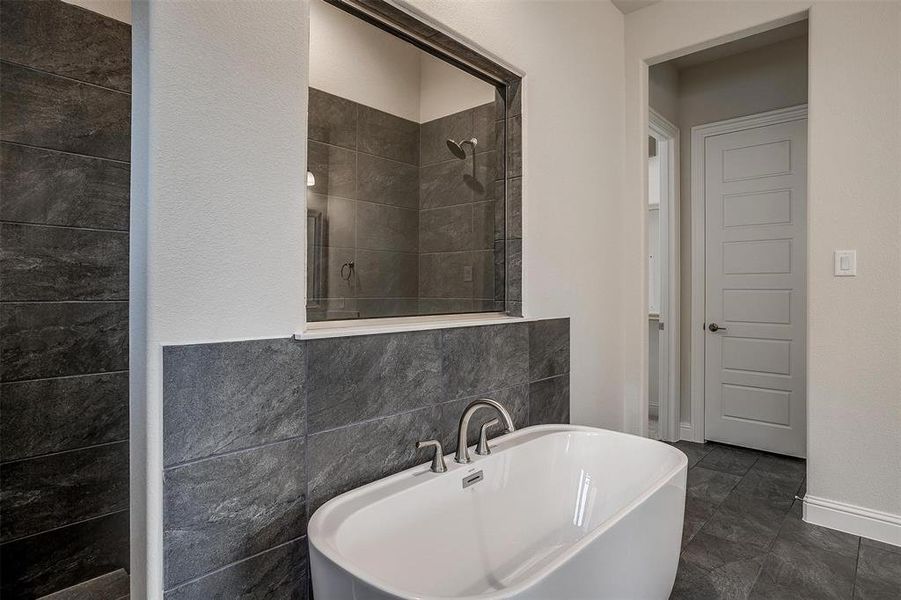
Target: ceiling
point(627, 6)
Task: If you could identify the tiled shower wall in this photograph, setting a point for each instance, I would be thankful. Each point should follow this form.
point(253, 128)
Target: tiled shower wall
point(64, 181)
point(259, 434)
point(424, 229)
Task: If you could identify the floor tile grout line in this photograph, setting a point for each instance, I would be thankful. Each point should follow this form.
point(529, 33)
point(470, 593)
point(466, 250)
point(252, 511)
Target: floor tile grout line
point(856, 567)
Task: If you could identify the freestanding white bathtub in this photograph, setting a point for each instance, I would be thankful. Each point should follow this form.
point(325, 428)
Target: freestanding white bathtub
point(561, 512)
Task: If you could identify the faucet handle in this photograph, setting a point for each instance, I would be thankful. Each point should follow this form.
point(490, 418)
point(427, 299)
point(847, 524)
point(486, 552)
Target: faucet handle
point(438, 465)
point(483, 448)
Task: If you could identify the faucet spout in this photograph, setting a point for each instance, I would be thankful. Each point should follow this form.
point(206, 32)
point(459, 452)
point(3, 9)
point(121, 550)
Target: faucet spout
point(462, 454)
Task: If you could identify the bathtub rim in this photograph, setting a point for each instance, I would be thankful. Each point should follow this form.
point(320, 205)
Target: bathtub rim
point(414, 476)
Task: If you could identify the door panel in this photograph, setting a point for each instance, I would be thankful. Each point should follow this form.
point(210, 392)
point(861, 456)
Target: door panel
point(755, 196)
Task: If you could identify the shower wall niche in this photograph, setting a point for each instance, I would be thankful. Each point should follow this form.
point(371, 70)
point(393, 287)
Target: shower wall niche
point(409, 158)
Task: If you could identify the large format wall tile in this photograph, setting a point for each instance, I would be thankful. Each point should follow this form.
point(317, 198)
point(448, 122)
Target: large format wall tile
point(484, 126)
point(446, 229)
point(387, 181)
point(84, 45)
point(39, 263)
point(223, 509)
point(549, 400)
point(53, 415)
point(387, 136)
point(445, 184)
point(387, 307)
point(339, 219)
point(346, 458)
point(357, 378)
point(52, 340)
point(37, 565)
point(490, 357)
point(457, 275)
point(54, 188)
point(548, 348)
point(51, 112)
point(277, 574)
point(334, 168)
point(435, 134)
point(382, 227)
point(386, 274)
point(514, 208)
point(225, 397)
point(51, 491)
point(332, 119)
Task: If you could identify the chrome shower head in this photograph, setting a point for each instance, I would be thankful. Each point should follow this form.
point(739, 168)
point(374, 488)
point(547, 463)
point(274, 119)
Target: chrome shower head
point(456, 148)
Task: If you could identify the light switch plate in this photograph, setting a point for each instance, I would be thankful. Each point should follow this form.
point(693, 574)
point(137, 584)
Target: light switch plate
point(845, 263)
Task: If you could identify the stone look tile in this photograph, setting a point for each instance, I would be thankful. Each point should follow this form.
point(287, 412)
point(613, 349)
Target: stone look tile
point(515, 399)
point(437, 306)
point(335, 285)
point(694, 451)
point(387, 181)
point(878, 573)
point(386, 274)
point(387, 307)
point(382, 227)
point(52, 340)
point(334, 168)
point(332, 119)
point(514, 146)
point(490, 357)
point(718, 568)
point(443, 275)
point(482, 183)
point(769, 488)
point(484, 226)
point(279, 573)
point(729, 459)
point(697, 512)
point(111, 585)
point(514, 208)
point(514, 98)
point(484, 122)
point(798, 533)
point(339, 219)
point(387, 136)
point(549, 400)
point(51, 491)
point(880, 545)
point(48, 562)
point(445, 184)
point(346, 458)
point(712, 486)
point(40, 263)
point(227, 508)
point(223, 397)
point(804, 572)
point(746, 519)
point(357, 378)
point(53, 188)
point(85, 45)
point(42, 110)
point(434, 135)
point(514, 270)
point(548, 348)
point(446, 229)
point(53, 415)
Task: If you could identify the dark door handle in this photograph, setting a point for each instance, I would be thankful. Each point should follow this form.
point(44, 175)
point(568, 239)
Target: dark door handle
point(713, 327)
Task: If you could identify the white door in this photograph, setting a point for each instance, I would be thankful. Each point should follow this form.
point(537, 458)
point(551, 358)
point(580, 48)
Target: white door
point(755, 195)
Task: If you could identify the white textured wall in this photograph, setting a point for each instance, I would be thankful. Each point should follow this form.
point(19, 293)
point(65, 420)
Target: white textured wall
point(854, 348)
point(854, 344)
point(218, 183)
point(571, 163)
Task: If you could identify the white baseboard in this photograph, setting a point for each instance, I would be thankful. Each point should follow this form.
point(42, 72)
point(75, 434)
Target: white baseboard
point(856, 520)
point(685, 432)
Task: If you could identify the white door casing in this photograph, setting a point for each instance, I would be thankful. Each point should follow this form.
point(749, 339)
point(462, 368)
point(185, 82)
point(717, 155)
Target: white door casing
point(755, 183)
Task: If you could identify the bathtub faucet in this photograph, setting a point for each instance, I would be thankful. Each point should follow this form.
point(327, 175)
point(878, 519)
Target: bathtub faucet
point(462, 455)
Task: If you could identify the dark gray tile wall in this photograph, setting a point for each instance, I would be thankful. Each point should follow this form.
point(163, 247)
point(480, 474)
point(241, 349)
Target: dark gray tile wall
point(365, 162)
point(427, 233)
point(64, 181)
point(257, 435)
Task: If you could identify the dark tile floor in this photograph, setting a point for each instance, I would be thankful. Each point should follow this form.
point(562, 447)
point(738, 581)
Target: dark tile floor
point(743, 536)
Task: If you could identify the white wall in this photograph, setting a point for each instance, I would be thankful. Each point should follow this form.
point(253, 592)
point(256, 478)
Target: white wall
point(219, 130)
point(444, 89)
point(116, 9)
point(854, 343)
point(358, 61)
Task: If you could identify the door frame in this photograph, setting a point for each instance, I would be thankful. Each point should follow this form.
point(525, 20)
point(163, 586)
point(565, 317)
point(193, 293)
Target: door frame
point(668, 373)
point(699, 134)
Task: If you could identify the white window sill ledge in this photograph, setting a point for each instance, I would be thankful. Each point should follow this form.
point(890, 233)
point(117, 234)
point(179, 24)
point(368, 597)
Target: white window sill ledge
point(331, 329)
